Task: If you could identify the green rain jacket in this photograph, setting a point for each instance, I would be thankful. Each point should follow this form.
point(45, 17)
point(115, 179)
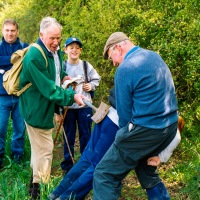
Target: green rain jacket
point(37, 103)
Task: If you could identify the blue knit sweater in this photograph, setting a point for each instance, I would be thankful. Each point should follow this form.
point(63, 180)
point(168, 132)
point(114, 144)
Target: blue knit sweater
point(145, 92)
point(6, 50)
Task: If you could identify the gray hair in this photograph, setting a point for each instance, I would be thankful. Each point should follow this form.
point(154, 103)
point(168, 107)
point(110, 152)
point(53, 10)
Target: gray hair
point(48, 21)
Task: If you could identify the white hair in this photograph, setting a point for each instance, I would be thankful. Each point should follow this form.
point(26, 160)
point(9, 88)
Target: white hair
point(48, 21)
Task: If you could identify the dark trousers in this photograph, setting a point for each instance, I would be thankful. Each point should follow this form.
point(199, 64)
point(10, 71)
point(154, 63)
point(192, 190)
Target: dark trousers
point(130, 150)
point(80, 118)
point(78, 181)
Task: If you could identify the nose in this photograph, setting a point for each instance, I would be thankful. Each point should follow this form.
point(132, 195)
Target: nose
point(115, 64)
point(56, 41)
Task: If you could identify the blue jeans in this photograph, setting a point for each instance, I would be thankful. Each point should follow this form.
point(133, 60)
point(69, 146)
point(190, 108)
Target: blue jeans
point(77, 183)
point(9, 107)
point(82, 119)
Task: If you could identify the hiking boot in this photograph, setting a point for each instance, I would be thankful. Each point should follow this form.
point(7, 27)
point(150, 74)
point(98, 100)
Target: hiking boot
point(35, 194)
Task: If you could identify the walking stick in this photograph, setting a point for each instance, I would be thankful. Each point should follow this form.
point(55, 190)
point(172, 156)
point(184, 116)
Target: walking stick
point(74, 84)
point(65, 136)
point(60, 125)
point(66, 140)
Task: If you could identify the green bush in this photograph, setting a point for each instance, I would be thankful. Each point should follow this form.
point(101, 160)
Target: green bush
point(170, 28)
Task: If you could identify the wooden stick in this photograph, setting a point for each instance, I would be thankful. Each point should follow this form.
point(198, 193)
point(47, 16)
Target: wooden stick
point(66, 140)
point(61, 124)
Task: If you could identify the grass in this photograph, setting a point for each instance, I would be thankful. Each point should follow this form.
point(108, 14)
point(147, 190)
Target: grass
point(181, 174)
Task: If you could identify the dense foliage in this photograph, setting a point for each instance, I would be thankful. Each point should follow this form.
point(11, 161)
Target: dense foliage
point(172, 28)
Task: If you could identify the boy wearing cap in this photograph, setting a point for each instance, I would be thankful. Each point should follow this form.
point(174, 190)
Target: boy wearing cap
point(148, 117)
point(78, 115)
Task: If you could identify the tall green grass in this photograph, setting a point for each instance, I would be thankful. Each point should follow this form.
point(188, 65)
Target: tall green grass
point(181, 173)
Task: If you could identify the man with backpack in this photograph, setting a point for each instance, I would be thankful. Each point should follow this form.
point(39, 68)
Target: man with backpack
point(38, 102)
point(9, 104)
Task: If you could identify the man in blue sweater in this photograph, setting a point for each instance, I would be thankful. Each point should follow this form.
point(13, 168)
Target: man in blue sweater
point(147, 107)
point(9, 104)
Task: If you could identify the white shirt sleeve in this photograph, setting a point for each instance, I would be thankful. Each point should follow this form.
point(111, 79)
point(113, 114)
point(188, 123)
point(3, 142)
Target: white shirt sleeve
point(167, 152)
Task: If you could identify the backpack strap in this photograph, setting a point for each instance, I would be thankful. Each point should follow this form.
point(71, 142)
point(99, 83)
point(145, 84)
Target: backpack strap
point(85, 70)
point(65, 66)
point(41, 50)
point(23, 89)
point(86, 77)
point(29, 84)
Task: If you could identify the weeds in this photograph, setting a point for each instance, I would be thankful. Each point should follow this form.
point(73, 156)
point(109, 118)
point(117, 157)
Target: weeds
point(181, 174)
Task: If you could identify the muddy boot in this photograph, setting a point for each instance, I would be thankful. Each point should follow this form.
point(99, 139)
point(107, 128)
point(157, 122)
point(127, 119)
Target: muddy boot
point(30, 185)
point(35, 194)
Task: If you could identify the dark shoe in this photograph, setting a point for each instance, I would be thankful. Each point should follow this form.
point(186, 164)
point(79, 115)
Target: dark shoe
point(35, 194)
point(66, 165)
point(30, 185)
point(16, 158)
point(65, 171)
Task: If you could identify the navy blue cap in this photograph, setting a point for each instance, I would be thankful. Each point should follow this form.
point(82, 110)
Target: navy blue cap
point(71, 40)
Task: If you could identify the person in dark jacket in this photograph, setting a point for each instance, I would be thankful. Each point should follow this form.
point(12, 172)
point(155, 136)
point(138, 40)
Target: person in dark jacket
point(9, 104)
point(38, 102)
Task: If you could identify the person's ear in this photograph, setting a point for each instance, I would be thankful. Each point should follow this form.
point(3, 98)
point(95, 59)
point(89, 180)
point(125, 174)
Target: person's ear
point(65, 50)
point(41, 35)
point(118, 49)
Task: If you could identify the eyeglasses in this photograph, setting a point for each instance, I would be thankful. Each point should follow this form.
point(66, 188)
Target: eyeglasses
point(109, 57)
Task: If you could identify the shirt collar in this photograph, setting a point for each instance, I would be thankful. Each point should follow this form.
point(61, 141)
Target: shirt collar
point(135, 48)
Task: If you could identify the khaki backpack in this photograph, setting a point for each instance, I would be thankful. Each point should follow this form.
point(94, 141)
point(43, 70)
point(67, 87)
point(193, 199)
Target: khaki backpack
point(11, 77)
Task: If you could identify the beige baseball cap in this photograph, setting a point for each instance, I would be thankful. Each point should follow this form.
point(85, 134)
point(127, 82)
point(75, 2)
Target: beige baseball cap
point(112, 40)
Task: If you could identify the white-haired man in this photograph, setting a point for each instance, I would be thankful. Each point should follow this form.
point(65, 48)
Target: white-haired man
point(37, 104)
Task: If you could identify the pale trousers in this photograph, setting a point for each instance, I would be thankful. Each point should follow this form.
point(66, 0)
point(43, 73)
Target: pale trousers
point(41, 153)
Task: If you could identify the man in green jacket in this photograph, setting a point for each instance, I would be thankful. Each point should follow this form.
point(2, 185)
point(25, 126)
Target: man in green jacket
point(38, 102)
